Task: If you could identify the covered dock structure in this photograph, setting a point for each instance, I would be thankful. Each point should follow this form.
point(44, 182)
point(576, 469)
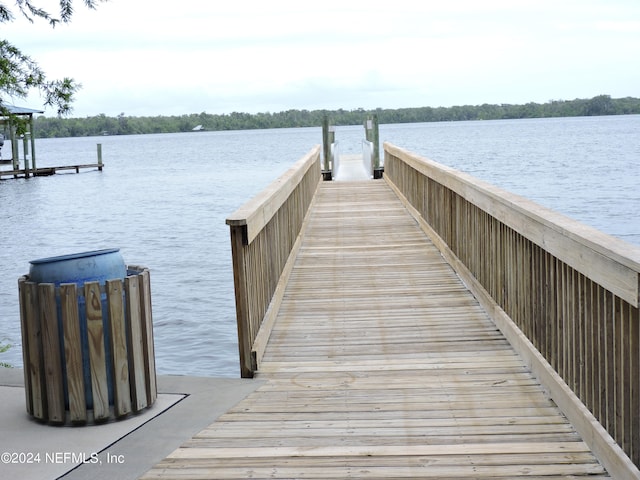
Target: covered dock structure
point(10, 118)
point(17, 123)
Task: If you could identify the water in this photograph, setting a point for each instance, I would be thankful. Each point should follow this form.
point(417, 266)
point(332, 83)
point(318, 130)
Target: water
point(163, 200)
point(584, 167)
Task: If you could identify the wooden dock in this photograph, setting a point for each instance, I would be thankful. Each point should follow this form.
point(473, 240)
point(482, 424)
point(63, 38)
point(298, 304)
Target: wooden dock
point(382, 364)
point(426, 325)
point(47, 171)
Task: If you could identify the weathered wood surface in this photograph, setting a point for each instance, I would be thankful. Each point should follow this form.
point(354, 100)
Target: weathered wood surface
point(605, 259)
point(257, 212)
point(381, 364)
point(97, 353)
point(549, 282)
point(118, 344)
point(53, 354)
point(264, 232)
point(73, 352)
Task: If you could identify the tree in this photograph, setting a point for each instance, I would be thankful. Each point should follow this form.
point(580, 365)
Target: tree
point(600, 105)
point(19, 74)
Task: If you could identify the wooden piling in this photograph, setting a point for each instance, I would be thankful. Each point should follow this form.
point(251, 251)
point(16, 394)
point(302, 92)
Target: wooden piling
point(326, 149)
point(25, 153)
point(372, 135)
point(99, 146)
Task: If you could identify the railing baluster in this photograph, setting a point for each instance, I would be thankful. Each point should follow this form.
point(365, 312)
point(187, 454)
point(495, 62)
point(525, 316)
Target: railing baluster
point(571, 289)
point(263, 234)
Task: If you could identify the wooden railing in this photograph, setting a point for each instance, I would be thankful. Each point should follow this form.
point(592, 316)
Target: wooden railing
point(263, 235)
point(571, 290)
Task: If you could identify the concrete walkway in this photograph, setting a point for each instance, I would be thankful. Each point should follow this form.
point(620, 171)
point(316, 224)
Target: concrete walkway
point(124, 449)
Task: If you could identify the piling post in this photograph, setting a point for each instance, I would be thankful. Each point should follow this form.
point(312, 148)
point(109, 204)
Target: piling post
point(99, 146)
point(326, 148)
point(33, 143)
point(332, 152)
point(15, 156)
point(373, 135)
point(25, 147)
point(25, 152)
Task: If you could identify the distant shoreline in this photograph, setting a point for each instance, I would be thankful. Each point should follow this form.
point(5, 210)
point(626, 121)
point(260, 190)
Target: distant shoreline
point(52, 127)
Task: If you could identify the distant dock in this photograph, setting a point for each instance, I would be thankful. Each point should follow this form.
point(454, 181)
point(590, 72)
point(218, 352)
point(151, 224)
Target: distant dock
point(47, 171)
point(29, 171)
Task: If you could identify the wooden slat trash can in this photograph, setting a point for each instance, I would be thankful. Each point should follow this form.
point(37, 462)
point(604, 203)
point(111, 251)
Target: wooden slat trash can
point(88, 348)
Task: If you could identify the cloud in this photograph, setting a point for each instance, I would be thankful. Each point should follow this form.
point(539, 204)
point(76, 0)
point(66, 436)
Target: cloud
point(256, 56)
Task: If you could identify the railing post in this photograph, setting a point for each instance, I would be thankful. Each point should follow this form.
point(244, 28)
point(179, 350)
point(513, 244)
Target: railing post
point(245, 338)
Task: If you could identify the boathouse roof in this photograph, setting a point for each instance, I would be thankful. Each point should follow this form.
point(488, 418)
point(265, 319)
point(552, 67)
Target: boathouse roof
point(12, 109)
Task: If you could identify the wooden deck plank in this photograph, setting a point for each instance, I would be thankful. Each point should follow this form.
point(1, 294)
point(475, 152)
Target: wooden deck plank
point(484, 450)
point(381, 364)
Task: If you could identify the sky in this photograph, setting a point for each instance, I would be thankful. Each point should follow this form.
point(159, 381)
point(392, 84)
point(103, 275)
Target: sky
point(137, 58)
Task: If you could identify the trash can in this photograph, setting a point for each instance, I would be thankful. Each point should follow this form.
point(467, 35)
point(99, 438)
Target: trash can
point(87, 336)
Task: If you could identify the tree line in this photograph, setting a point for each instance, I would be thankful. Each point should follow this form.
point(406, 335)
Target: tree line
point(47, 127)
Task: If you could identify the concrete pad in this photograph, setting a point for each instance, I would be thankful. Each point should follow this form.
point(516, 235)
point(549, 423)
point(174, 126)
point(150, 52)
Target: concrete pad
point(123, 449)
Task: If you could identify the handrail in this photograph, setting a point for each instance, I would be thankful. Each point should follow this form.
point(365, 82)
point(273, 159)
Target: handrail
point(263, 234)
point(367, 156)
point(610, 261)
point(564, 294)
point(335, 159)
point(257, 212)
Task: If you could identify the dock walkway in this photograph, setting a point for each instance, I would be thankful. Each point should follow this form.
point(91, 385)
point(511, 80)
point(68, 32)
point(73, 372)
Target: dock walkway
point(382, 364)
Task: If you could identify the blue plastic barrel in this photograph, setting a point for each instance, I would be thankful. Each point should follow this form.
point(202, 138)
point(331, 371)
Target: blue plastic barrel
point(78, 268)
point(97, 265)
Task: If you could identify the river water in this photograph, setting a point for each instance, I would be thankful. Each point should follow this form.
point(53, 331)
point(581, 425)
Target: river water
point(163, 199)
